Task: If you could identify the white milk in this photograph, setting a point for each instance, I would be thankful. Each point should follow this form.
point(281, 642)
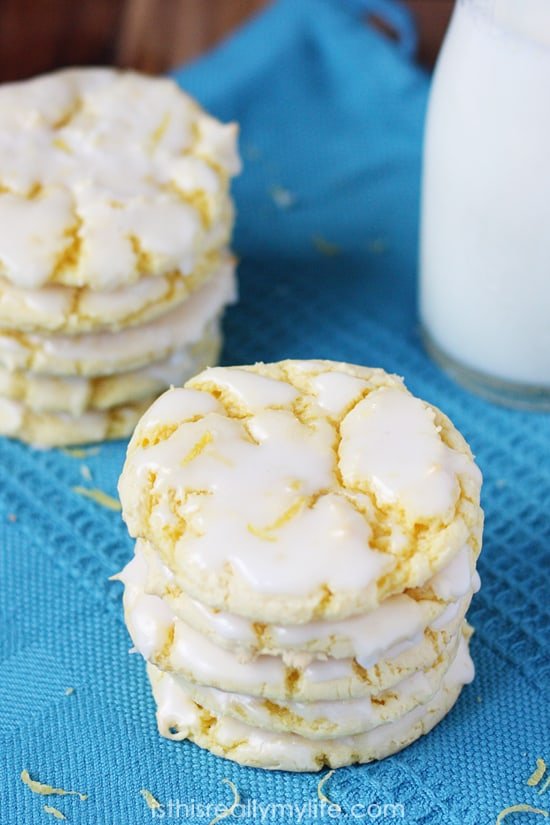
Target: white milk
point(485, 239)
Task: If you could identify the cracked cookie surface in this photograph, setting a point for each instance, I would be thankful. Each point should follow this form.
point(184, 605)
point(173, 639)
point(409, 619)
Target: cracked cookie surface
point(298, 491)
point(107, 176)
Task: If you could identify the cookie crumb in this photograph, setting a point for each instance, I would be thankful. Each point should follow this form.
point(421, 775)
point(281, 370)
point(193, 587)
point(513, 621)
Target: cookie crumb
point(283, 198)
point(12, 517)
point(98, 496)
point(69, 691)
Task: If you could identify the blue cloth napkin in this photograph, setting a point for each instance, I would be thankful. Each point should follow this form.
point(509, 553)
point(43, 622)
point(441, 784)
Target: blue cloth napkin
point(331, 115)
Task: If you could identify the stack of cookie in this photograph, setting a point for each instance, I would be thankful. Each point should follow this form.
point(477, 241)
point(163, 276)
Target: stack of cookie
point(115, 216)
point(307, 534)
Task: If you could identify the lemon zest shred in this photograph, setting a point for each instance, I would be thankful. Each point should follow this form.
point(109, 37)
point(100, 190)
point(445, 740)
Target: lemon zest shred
point(158, 133)
point(320, 793)
point(266, 532)
point(228, 811)
point(260, 532)
point(99, 497)
point(80, 452)
point(292, 511)
point(49, 809)
point(198, 448)
point(48, 790)
point(61, 144)
point(518, 809)
point(152, 803)
point(538, 773)
point(330, 250)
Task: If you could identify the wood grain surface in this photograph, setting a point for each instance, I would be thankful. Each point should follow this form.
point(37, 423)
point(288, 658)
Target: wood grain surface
point(150, 35)
point(432, 18)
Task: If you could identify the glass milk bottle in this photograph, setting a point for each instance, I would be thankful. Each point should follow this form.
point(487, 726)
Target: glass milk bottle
point(485, 225)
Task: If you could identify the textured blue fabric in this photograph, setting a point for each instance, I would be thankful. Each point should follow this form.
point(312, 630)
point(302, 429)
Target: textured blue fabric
point(331, 118)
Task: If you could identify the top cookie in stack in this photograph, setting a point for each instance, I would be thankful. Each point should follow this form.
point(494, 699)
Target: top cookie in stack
point(115, 216)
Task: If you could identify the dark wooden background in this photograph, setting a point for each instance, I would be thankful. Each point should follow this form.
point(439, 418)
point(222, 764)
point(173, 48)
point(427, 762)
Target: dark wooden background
point(151, 35)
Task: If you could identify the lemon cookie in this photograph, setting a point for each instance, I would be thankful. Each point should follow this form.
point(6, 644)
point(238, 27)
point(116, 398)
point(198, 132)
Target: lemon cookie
point(171, 645)
point(398, 623)
point(76, 394)
point(105, 353)
point(59, 429)
point(107, 176)
point(180, 717)
point(320, 719)
point(72, 310)
point(300, 491)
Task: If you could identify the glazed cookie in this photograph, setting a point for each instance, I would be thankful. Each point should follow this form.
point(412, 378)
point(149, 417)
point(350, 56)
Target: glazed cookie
point(108, 176)
point(398, 622)
point(76, 395)
point(323, 719)
point(300, 491)
point(60, 429)
point(173, 646)
point(76, 310)
point(106, 353)
point(180, 717)
point(307, 537)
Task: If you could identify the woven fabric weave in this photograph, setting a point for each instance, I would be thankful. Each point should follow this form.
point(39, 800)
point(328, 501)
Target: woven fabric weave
point(331, 118)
